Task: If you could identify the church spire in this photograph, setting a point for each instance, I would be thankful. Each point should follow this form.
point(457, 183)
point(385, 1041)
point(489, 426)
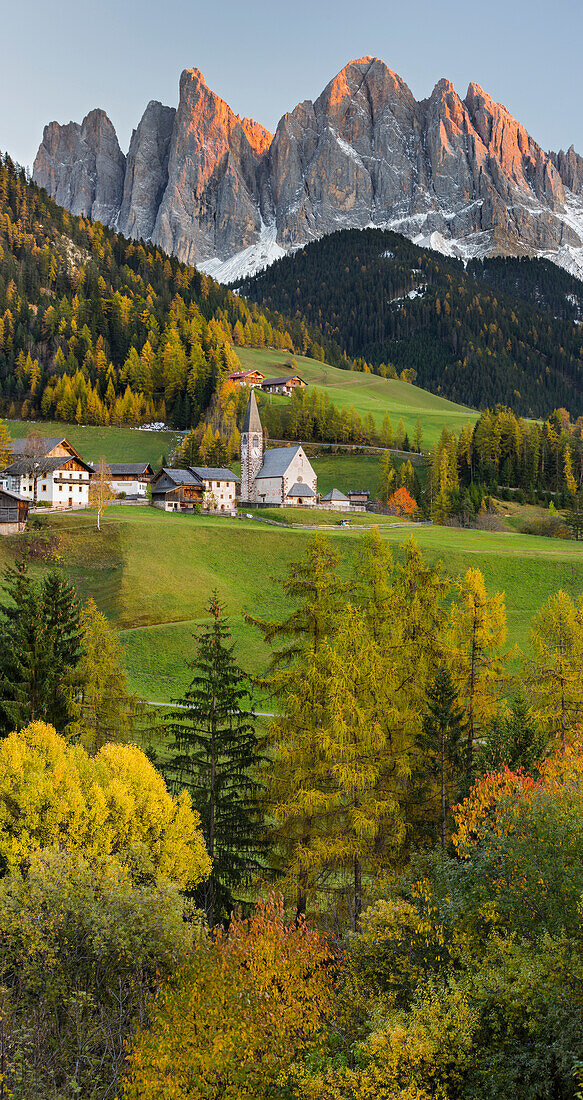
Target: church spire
point(251, 448)
point(251, 421)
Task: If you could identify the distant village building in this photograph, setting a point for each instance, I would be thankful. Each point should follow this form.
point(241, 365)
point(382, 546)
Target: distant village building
point(213, 489)
point(13, 512)
point(336, 500)
point(285, 385)
point(359, 496)
point(246, 378)
point(61, 475)
point(131, 478)
point(281, 475)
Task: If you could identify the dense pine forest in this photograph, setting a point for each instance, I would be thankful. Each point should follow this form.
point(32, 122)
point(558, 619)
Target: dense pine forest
point(502, 331)
point(98, 329)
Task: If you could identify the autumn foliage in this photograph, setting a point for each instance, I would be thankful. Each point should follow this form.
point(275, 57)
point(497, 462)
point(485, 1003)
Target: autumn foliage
point(114, 804)
point(401, 503)
point(242, 1009)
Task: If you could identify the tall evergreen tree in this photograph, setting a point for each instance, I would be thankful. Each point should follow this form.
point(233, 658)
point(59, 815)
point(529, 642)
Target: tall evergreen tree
point(298, 683)
point(213, 755)
point(39, 645)
point(441, 745)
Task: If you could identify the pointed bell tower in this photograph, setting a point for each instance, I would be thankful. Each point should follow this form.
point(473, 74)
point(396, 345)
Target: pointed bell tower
point(251, 448)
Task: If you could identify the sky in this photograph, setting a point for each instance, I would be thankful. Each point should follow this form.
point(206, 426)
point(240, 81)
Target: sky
point(60, 60)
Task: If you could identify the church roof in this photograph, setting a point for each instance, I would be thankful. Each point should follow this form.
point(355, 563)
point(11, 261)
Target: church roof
point(300, 489)
point(251, 421)
point(276, 461)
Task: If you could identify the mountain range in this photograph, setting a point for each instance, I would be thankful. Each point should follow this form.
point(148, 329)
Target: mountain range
point(221, 192)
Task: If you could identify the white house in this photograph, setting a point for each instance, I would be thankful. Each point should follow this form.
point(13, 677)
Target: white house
point(131, 478)
point(281, 475)
point(212, 489)
point(61, 475)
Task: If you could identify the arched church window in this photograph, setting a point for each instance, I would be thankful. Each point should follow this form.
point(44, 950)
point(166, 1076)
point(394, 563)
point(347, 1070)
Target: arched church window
point(255, 440)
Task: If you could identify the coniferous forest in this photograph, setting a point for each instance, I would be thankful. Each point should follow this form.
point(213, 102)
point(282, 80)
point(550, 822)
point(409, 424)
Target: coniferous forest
point(101, 330)
point(502, 331)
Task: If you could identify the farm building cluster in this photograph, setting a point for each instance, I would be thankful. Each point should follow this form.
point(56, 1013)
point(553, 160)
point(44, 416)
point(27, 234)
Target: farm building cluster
point(50, 473)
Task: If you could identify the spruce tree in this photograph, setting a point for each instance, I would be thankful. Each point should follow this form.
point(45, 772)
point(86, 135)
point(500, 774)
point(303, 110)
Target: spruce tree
point(212, 755)
point(39, 645)
point(441, 744)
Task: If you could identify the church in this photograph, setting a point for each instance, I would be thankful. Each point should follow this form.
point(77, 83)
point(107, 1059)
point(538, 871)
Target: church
point(281, 475)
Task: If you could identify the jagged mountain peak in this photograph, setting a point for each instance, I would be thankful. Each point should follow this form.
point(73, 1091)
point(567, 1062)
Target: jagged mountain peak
point(462, 175)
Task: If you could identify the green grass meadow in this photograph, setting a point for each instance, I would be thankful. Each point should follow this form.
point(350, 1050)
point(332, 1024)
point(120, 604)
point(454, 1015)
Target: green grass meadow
point(152, 573)
point(368, 393)
point(93, 443)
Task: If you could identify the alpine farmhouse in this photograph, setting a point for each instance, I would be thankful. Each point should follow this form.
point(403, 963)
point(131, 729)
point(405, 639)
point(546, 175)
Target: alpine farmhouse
point(55, 474)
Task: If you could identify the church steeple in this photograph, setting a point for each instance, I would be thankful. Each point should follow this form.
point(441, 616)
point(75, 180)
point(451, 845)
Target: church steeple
point(251, 447)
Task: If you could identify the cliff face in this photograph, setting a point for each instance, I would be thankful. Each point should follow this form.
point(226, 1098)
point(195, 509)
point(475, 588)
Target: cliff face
point(82, 167)
point(146, 176)
point(459, 175)
point(211, 202)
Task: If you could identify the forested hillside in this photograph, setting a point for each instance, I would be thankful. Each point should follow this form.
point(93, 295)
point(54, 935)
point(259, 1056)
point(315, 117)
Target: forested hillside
point(501, 331)
point(98, 329)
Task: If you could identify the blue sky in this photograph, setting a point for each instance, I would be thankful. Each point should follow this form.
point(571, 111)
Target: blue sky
point(59, 60)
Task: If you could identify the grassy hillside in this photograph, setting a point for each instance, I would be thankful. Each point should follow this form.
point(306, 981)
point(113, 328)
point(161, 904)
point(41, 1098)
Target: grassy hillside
point(114, 444)
point(152, 573)
point(498, 331)
point(369, 393)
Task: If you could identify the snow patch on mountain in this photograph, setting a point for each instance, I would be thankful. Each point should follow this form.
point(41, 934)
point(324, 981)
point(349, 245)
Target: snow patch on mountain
point(248, 262)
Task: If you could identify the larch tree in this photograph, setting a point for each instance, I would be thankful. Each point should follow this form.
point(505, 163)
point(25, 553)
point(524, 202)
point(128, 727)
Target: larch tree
point(101, 705)
point(101, 492)
point(5, 446)
point(476, 634)
point(555, 674)
point(363, 738)
point(298, 685)
point(214, 755)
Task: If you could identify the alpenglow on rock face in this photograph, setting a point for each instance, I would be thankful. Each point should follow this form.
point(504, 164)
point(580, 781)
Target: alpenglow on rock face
point(461, 176)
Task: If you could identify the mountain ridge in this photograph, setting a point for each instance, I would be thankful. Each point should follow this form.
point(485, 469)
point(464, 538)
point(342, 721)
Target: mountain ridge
point(221, 191)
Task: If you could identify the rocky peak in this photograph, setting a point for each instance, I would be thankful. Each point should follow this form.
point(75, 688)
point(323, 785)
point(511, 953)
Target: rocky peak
point(146, 174)
point(208, 185)
point(82, 166)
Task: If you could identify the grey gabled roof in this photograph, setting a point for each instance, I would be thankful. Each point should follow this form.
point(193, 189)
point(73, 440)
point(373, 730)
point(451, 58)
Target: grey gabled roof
point(251, 420)
point(281, 381)
point(214, 473)
point(276, 461)
point(19, 446)
point(128, 469)
point(300, 489)
point(14, 496)
point(46, 466)
point(178, 476)
point(335, 494)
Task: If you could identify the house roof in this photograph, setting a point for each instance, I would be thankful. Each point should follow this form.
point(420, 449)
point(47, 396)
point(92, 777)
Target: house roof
point(214, 473)
point(244, 374)
point(14, 496)
point(47, 465)
point(127, 469)
point(280, 381)
point(276, 461)
point(179, 477)
point(335, 494)
point(251, 420)
point(300, 489)
point(20, 446)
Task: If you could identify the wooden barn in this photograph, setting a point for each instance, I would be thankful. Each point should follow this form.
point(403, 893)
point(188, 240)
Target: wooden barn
point(13, 512)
